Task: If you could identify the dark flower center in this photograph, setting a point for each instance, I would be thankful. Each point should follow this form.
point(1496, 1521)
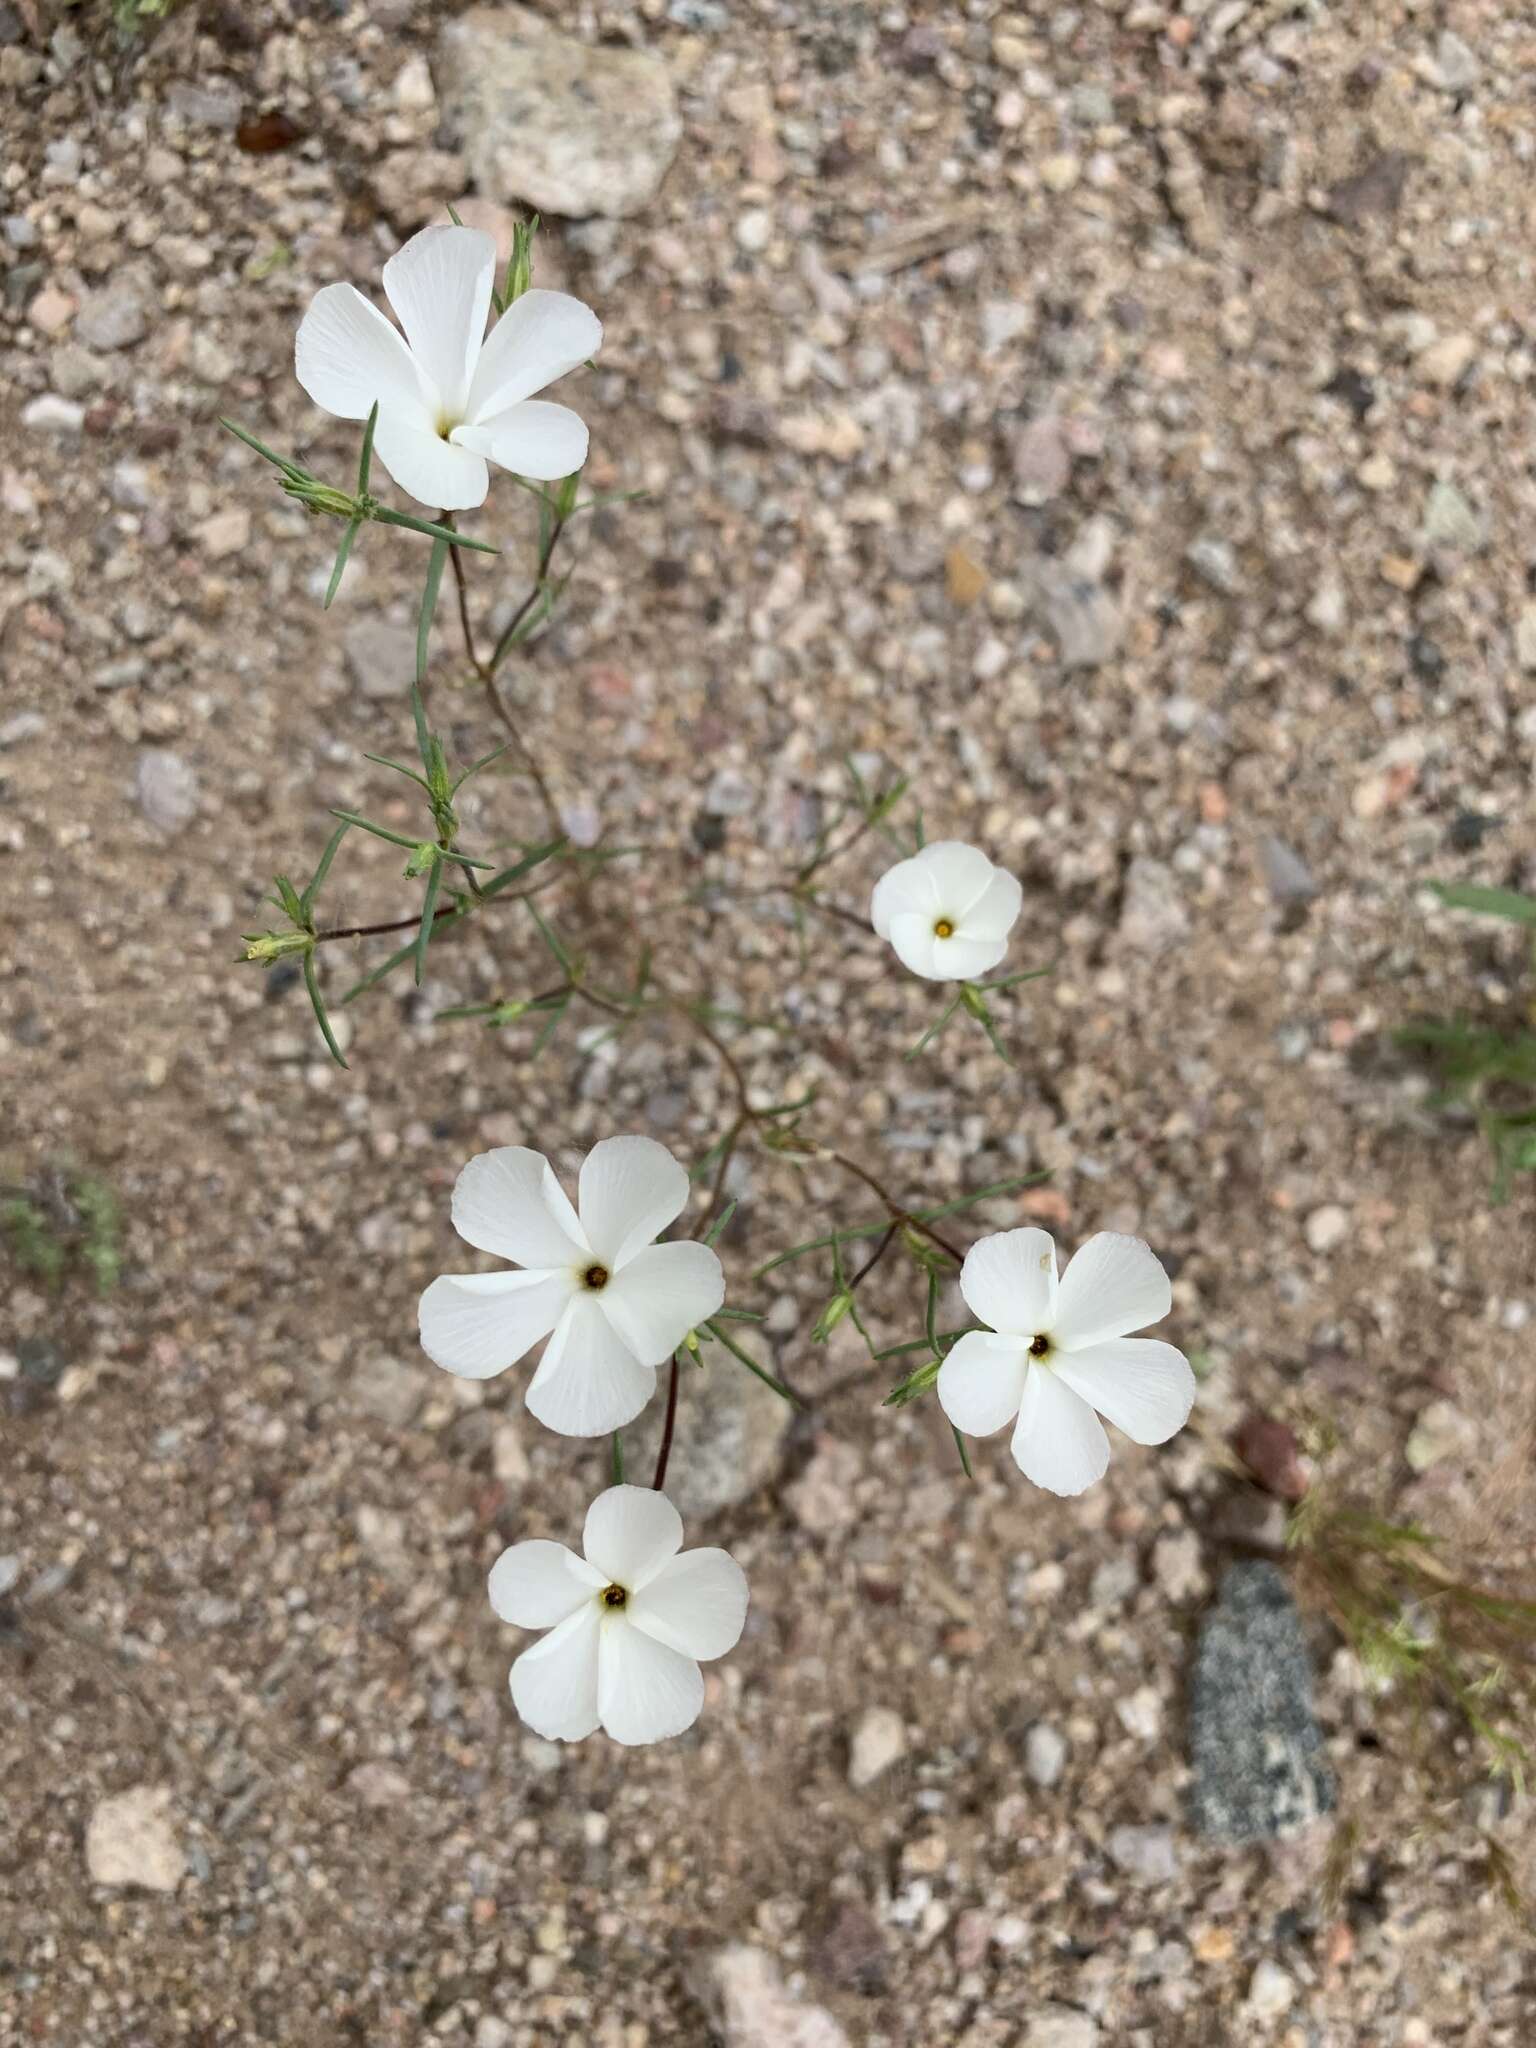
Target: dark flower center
point(614, 1596)
point(596, 1276)
point(1039, 1345)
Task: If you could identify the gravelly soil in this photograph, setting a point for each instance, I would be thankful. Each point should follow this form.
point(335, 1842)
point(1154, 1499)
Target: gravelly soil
point(1114, 419)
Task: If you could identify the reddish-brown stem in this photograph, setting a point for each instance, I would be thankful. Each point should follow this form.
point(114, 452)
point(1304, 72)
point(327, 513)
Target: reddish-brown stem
point(667, 1427)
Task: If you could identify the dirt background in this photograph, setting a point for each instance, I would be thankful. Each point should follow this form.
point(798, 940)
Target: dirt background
point(949, 337)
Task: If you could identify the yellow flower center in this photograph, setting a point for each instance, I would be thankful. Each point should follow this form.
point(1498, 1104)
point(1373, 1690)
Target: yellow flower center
point(943, 929)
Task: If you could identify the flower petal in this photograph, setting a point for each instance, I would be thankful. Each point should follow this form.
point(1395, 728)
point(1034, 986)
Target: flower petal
point(437, 473)
point(537, 1584)
point(959, 875)
point(993, 913)
point(658, 1296)
point(509, 1202)
point(912, 935)
point(907, 887)
point(1009, 1281)
point(588, 1380)
point(1141, 1385)
point(1112, 1285)
point(631, 1189)
point(981, 1382)
point(645, 1691)
point(440, 287)
point(631, 1534)
point(696, 1604)
point(534, 439)
point(964, 956)
point(554, 1684)
point(540, 337)
point(1059, 1442)
point(347, 356)
point(477, 1324)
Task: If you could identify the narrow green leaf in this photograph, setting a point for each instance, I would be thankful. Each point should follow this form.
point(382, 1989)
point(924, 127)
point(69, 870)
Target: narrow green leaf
point(716, 1230)
point(505, 877)
point(378, 831)
point(261, 448)
point(350, 533)
point(1510, 904)
point(548, 935)
point(965, 1460)
point(452, 215)
point(377, 974)
point(557, 1010)
point(474, 767)
point(312, 983)
point(289, 900)
point(435, 566)
point(365, 460)
point(617, 1460)
point(386, 516)
point(741, 1315)
point(933, 1030)
point(751, 1364)
point(428, 914)
point(410, 774)
point(963, 1202)
point(307, 900)
point(1015, 980)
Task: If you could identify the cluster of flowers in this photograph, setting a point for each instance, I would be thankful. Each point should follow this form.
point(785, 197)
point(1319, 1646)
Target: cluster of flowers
point(629, 1622)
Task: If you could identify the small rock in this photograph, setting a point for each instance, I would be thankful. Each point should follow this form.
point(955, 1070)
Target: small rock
point(1377, 190)
point(381, 657)
point(212, 104)
point(166, 788)
point(1153, 918)
point(1177, 1565)
point(1270, 1451)
point(1327, 609)
point(1525, 638)
point(1045, 1755)
point(879, 1741)
point(1271, 1991)
point(113, 317)
point(491, 2032)
point(1259, 1768)
point(1042, 461)
point(1446, 361)
point(1453, 68)
point(413, 87)
point(1327, 1227)
point(747, 1999)
point(1147, 1854)
point(1286, 874)
point(1058, 2026)
point(226, 533)
point(130, 1839)
point(1215, 562)
point(734, 1429)
point(1449, 521)
point(1442, 1431)
point(821, 1499)
point(51, 414)
point(1059, 173)
point(26, 725)
point(379, 1784)
point(389, 1388)
point(51, 311)
point(10, 1572)
point(754, 230)
point(569, 127)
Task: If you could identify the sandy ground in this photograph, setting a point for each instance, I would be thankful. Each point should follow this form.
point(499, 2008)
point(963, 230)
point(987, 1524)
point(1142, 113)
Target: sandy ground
point(1118, 421)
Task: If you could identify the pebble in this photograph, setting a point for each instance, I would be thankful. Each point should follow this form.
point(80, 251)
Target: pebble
point(1450, 522)
point(1045, 1755)
point(131, 1840)
point(1446, 361)
point(1177, 1564)
point(1441, 1431)
point(879, 1740)
point(166, 789)
point(747, 1999)
point(1454, 66)
point(1148, 1854)
point(1286, 875)
point(1153, 919)
point(1327, 1227)
point(113, 317)
point(736, 1428)
point(1042, 461)
point(1058, 2026)
point(1271, 1991)
point(24, 726)
point(10, 1572)
point(821, 1499)
point(1525, 638)
point(389, 1388)
point(381, 657)
point(566, 126)
point(379, 1784)
point(754, 230)
point(225, 533)
point(1260, 1771)
point(1215, 562)
point(54, 414)
point(51, 311)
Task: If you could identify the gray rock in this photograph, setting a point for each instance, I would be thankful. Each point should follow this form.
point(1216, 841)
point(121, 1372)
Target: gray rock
point(26, 725)
point(1060, 2027)
point(1454, 66)
point(166, 789)
point(10, 1572)
point(1045, 1754)
point(568, 127)
point(1079, 613)
point(879, 1740)
point(1153, 918)
point(1147, 1853)
point(1525, 637)
point(389, 1388)
point(746, 1998)
point(1214, 562)
point(211, 104)
point(1286, 874)
point(381, 657)
point(1042, 462)
point(1450, 522)
point(51, 414)
point(1259, 1768)
point(730, 1435)
point(114, 317)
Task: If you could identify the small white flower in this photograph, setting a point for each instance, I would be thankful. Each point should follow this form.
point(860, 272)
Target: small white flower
point(1055, 1352)
point(449, 397)
point(613, 1303)
point(627, 1623)
point(947, 911)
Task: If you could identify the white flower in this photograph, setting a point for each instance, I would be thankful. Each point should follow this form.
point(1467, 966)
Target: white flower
point(618, 1304)
point(453, 398)
point(627, 1623)
point(1055, 1352)
point(947, 911)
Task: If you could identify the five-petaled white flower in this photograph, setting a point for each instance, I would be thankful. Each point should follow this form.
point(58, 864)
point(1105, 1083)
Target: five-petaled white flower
point(627, 1623)
point(947, 911)
point(449, 397)
point(1056, 1351)
point(617, 1303)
